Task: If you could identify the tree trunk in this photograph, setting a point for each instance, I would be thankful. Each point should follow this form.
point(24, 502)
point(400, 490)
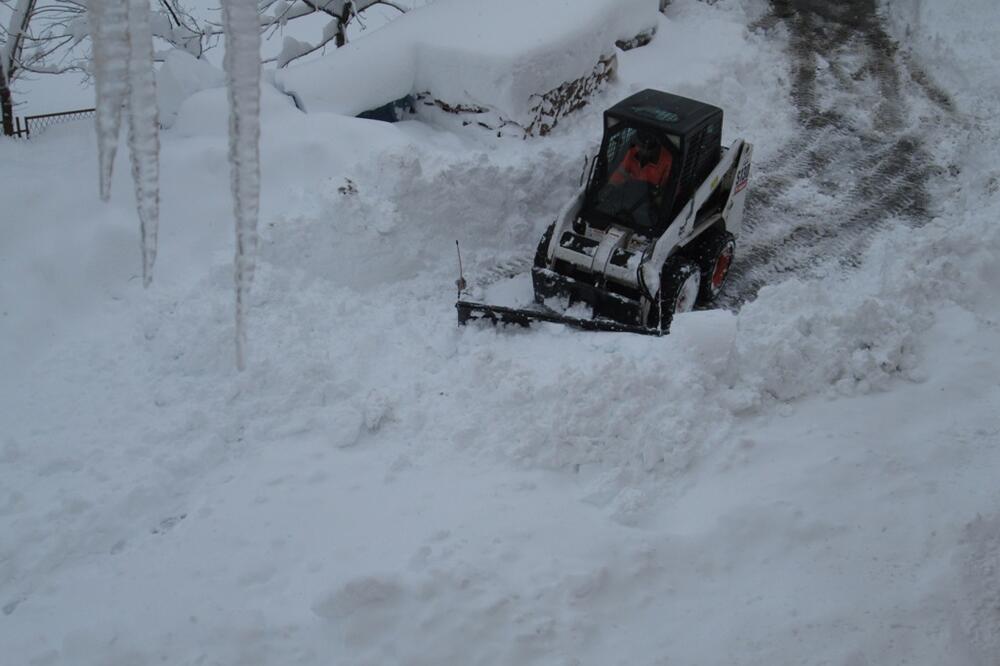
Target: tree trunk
point(20, 17)
point(342, 22)
point(6, 105)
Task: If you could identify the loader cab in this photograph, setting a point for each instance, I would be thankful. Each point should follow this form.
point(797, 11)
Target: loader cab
point(657, 149)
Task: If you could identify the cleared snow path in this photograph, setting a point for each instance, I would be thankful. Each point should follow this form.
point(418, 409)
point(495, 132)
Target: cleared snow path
point(862, 158)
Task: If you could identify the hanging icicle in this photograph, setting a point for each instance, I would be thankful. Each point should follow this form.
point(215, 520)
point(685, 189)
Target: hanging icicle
point(143, 134)
point(242, 65)
point(123, 70)
point(122, 43)
point(109, 36)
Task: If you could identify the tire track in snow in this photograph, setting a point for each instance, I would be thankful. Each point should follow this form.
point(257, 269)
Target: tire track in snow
point(860, 161)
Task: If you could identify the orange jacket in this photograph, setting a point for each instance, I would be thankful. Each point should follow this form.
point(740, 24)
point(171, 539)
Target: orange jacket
point(654, 173)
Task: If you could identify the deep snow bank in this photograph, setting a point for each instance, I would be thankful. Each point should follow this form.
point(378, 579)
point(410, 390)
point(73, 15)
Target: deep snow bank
point(501, 55)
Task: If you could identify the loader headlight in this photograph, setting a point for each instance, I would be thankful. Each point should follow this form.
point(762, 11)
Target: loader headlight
point(621, 258)
point(647, 256)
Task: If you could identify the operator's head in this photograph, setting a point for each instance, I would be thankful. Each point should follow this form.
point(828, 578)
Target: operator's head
point(648, 146)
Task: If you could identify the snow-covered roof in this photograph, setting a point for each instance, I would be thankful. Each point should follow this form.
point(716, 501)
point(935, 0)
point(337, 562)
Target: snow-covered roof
point(473, 52)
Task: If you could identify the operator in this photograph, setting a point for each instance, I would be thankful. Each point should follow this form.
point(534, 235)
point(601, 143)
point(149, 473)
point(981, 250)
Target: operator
point(646, 161)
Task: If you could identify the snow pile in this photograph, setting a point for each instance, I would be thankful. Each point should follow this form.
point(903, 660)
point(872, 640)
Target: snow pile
point(858, 334)
point(180, 76)
point(484, 54)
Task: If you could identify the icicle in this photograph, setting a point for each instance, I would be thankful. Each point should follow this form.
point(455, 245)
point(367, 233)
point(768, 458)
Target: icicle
point(109, 35)
point(242, 65)
point(143, 132)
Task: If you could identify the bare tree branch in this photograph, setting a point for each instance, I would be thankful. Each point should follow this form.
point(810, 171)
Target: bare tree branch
point(42, 36)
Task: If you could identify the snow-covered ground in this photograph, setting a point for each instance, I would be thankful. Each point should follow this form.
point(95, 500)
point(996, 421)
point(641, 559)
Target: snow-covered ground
point(809, 480)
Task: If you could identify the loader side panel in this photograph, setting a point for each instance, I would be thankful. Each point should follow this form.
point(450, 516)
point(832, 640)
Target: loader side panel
point(683, 227)
point(733, 212)
point(564, 221)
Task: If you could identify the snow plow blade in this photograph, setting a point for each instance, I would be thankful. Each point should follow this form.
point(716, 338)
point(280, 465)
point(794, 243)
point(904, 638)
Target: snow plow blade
point(498, 314)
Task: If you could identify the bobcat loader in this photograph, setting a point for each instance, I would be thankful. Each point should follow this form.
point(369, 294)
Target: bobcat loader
point(651, 234)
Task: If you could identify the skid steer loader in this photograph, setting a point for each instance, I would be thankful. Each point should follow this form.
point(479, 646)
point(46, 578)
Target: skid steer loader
point(651, 234)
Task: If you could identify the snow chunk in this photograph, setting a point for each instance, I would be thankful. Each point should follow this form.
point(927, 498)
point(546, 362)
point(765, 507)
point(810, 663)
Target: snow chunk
point(181, 76)
point(485, 54)
point(367, 593)
point(851, 343)
point(291, 49)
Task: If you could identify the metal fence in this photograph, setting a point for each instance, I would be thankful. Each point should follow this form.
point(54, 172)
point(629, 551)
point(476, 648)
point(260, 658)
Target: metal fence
point(25, 127)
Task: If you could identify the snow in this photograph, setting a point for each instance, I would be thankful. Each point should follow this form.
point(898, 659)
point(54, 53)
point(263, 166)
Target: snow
point(958, 52)
point(181, 76)
point(811, 479)
point(498, 55)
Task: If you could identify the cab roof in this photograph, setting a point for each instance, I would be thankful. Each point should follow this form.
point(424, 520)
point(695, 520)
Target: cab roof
point(671, 113)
